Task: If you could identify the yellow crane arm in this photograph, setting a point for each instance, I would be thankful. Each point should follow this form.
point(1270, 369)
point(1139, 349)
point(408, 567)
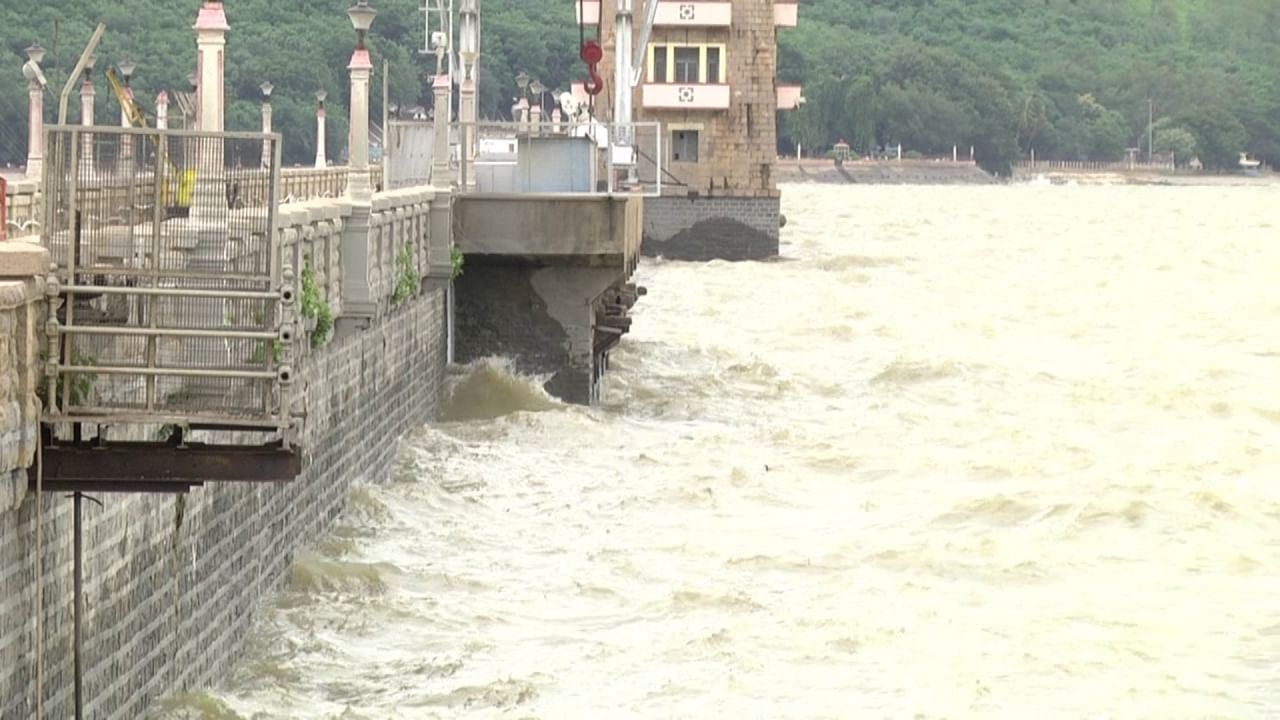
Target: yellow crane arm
point(131, 111)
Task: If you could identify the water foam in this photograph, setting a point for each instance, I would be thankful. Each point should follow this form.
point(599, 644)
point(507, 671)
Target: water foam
point(491, 388)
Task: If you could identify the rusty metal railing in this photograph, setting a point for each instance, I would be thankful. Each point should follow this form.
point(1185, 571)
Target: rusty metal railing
point(175, 303)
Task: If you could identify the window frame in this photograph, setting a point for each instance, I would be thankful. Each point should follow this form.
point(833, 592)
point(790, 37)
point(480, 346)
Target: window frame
point(697, 144)
point(668, 52)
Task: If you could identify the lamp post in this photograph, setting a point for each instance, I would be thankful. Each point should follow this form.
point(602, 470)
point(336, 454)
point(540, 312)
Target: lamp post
point(361, 68)
point(357, 296)
point(469, 52)
point(537, 88)
point(162, 110)
point(190, 109)
point(127, 68)
point(87, 95)
point(522, 82)
point(322, 156)
point(266, 87)
point(35, 99)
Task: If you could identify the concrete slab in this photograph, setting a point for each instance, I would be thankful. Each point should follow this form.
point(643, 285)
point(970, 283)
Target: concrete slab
point(22, 260)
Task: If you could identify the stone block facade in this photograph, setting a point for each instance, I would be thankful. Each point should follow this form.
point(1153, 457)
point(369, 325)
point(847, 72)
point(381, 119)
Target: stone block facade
point(171, 582)
point(728, 206)
point(714, 228)
point(21, 333)
point(737, 145)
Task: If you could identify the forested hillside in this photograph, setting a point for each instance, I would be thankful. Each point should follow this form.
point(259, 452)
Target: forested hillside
point(1069, 78)
point(301, 46)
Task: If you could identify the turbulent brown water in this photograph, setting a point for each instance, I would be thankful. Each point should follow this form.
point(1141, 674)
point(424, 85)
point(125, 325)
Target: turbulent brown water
point(966, 452)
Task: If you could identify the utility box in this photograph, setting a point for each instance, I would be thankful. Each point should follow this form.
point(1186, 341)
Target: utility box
point(556, 164)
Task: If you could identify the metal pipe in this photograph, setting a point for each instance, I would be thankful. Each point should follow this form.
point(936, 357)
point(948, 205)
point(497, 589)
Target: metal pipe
point(175, 292)
point(174, 372)
point(167, 332)
point(79, 605)
point(79, 68)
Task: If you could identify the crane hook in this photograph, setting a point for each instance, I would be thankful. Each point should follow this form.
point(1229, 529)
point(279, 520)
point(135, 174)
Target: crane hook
point(592, 54)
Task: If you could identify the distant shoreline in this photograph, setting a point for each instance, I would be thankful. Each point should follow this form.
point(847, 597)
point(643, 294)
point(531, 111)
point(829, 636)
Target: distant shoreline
point(1186, 178)
point(945, 172)
point(887, 172)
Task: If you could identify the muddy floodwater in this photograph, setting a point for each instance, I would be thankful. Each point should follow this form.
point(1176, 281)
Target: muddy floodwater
point(972, 452)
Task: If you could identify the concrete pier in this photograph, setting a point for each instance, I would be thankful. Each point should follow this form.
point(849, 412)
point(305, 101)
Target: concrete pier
point(539, 268)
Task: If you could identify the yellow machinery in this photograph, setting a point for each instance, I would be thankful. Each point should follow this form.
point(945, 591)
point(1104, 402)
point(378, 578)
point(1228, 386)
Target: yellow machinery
point(182, 185)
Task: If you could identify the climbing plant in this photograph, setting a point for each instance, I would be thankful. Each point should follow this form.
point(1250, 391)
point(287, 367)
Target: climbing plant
point(314, 307)
point(407, 278)
point(456, 258)
point(81, 384)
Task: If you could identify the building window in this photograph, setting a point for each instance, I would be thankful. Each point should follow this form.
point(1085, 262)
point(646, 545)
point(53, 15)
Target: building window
point(684, 146)
point(713, 65)
point(659, 63)
point(688, 62)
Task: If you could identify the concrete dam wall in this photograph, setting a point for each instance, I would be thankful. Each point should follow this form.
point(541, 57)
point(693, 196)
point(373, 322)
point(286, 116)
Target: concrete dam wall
point(170, 581)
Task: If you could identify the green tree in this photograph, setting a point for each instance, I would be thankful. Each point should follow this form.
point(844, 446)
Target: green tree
point(1178, 142)
point(1219, 136)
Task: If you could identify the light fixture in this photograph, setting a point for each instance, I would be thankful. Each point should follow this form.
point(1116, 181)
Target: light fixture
point(266, 87)
point(522, 81)
point(35, 53)
point(361, 19)
point(320, 96)
point(127, 69)
point(191, 80)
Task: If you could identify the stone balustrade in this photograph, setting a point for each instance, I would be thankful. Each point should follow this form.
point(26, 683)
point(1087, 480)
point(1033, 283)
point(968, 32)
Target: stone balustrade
point(398, 244)
point(25, 208)
point(298, 184)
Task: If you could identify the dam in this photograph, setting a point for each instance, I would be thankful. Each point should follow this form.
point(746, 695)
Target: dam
point(204, 354)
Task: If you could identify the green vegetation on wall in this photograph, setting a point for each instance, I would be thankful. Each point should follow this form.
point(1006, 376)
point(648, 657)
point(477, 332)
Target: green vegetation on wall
point(407, 278)
point(314, 307)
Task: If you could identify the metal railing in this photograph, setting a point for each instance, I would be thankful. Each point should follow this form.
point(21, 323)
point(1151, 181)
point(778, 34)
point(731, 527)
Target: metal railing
point(595, 158)
point(176, 304)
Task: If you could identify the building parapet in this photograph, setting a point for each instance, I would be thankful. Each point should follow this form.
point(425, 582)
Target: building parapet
point(786, 13)
point(685, 97)
point(706, 13)
point(790, 97)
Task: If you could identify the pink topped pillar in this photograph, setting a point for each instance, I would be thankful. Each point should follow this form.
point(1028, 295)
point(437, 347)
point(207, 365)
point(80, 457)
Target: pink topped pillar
point(211, 40)
point(361, 67)
point(35, 97)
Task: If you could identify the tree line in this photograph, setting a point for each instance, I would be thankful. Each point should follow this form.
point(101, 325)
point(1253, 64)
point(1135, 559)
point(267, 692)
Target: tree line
point(1069, 79)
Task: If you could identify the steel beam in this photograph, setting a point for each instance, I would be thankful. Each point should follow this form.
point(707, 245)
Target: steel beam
point(161, 467)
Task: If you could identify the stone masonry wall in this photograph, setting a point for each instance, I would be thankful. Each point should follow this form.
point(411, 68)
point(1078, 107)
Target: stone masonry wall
point(171, 581)
point(714, 228)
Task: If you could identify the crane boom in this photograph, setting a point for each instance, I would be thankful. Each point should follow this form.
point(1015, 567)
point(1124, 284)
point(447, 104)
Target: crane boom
point(131, 110)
